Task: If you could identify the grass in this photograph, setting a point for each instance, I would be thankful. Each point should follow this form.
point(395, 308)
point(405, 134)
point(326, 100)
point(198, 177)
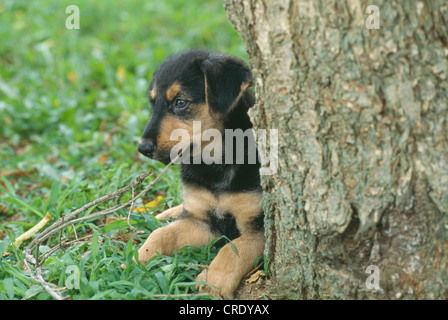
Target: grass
point(73, 105)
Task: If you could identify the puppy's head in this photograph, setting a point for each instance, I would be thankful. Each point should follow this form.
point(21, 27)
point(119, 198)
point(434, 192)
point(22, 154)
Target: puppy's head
point(193, 86)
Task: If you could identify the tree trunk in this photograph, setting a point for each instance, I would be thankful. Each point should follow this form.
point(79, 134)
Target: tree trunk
point(362, 117)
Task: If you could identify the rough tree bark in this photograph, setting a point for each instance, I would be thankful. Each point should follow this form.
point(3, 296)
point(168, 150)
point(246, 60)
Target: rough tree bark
point(362, 116)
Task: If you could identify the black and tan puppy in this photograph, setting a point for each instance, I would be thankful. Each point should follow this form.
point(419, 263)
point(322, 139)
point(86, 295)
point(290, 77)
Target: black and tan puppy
point(220, 198)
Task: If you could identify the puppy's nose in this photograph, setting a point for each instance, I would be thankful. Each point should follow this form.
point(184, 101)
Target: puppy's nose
point(147, 147)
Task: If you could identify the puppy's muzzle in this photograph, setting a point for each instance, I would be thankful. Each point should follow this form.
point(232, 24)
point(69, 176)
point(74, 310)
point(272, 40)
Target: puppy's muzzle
point(147, 147)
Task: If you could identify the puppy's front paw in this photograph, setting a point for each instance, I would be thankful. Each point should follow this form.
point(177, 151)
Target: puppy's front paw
point(218, 284)
point(171, 213)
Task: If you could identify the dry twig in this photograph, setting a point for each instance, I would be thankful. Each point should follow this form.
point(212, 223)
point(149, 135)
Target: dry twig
point(71, 219)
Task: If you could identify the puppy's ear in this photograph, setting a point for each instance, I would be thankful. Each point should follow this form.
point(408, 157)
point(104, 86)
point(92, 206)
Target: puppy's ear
point(226, 80)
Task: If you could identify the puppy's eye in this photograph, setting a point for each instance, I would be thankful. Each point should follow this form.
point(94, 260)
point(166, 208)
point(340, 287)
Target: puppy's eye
point(181, 103)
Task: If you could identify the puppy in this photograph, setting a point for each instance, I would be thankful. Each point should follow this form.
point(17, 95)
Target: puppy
point(194, 93)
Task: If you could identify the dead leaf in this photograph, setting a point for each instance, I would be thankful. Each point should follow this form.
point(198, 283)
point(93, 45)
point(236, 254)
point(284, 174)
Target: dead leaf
point(109, 220)
point(17, 173)
point(254, 278)
point(103, 158)
point(67, 177)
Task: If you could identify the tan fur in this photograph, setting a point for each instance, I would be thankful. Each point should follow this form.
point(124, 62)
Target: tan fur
point(207, 121)
point(153, 94)
point(198, 201)
point(228, 267)
point(244, 87)
point(171, 213)
point(168, 124)
point(244, 206)
point(173, 91)
point(174, 236)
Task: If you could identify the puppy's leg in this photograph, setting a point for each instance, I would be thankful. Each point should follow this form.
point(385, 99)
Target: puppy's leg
point(171, 213)
point(228, 268)
point(180, 233)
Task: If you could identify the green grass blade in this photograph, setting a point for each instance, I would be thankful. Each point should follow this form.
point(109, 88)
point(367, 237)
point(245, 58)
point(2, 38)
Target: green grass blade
point(15, 200)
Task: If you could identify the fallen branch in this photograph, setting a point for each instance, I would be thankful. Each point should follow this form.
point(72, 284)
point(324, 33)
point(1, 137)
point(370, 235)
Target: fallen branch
point(40, 279)
point(71, 219)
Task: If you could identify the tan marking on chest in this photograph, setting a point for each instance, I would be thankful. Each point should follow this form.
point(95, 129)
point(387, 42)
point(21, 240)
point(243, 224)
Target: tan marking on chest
point(244, 206)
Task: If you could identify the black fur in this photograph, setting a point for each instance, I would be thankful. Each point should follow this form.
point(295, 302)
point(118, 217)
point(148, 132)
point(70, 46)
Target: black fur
point(223, 224)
